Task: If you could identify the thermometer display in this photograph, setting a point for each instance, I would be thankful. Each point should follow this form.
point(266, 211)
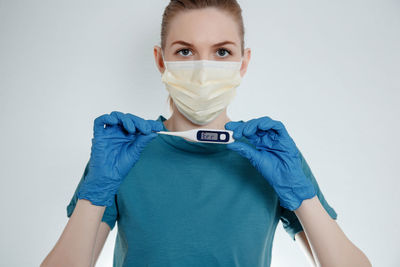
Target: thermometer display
point(212, 136)
point(209, 136)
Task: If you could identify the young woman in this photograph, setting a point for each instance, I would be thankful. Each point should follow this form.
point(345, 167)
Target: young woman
point(181, 203)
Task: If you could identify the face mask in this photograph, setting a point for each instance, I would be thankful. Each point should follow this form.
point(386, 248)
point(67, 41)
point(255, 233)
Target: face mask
point(201, 89)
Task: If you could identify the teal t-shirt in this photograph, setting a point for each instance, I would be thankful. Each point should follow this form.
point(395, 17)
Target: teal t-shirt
point(196, 204)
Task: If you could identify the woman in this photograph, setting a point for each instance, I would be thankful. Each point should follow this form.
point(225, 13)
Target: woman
point(181, 203)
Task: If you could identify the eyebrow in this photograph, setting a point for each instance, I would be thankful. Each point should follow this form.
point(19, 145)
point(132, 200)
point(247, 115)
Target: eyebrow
point(215, 45)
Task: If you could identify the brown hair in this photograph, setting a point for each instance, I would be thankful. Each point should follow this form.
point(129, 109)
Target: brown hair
point(176, 6)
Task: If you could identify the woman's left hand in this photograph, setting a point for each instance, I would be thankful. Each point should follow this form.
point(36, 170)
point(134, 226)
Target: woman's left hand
point(275, 156)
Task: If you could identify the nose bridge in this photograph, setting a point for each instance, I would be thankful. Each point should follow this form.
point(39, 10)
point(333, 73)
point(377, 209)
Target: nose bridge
point(203, 52)
point(205, 55)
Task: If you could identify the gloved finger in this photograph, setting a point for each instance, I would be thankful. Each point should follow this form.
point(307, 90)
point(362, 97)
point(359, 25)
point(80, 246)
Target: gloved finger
point(232, 125)
point(141, 124)
point(267, 124)
point(128, 125)
point(136, 147)
point(244, 150)
point(125, 122)
point(254, 139)
point(236, 127)
point(251, 127)
point(100, 121)
point(155, 125)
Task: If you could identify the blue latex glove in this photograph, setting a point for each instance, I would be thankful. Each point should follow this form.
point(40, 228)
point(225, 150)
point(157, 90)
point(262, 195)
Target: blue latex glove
point(116, 146)
point(275, 156)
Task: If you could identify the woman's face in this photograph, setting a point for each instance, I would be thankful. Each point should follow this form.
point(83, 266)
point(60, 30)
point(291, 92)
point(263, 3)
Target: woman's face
point(200, 34)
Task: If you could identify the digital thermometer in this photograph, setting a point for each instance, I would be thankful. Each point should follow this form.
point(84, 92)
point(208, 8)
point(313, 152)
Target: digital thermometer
point(205, 135)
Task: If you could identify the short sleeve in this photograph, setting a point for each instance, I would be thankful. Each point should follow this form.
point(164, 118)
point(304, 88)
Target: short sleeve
point(289, 220)
point(110, 214)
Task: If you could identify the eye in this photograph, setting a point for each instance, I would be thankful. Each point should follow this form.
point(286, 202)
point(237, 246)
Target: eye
point(222, 52)
point(184, 52)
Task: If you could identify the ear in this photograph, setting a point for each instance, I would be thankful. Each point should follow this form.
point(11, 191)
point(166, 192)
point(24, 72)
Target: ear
point(158, 58)
point(246, 61)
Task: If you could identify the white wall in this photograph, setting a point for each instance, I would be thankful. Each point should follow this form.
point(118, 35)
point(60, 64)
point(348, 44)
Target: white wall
point(328, 69)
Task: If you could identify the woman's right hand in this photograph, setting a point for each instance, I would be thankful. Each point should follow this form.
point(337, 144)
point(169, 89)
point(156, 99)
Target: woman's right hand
point(116, 146)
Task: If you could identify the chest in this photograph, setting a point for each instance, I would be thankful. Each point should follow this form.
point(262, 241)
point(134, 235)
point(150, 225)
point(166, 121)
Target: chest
point(170, 196)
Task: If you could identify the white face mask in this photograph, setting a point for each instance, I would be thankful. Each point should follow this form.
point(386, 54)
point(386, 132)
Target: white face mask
point(201, 89)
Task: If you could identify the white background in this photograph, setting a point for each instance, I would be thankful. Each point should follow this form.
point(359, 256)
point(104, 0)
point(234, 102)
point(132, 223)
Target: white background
point(329, 70)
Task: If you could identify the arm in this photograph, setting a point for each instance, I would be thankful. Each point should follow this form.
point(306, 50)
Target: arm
point(102, 234)
point(330, 246)
point(301, 239)
point(117, 143)
point(75, 246)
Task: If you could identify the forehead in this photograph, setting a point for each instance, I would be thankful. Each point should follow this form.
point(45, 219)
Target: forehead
point(203, 26)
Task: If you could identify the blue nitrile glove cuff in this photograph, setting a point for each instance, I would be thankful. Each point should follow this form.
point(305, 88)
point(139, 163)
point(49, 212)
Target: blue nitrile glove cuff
point(292, 196)
point(99, 195)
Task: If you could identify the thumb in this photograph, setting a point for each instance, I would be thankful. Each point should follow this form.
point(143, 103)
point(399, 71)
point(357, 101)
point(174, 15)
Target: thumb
point(244, 150)
point(140, 143)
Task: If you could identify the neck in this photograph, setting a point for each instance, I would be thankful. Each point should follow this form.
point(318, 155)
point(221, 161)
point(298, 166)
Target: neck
point(177, 122)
